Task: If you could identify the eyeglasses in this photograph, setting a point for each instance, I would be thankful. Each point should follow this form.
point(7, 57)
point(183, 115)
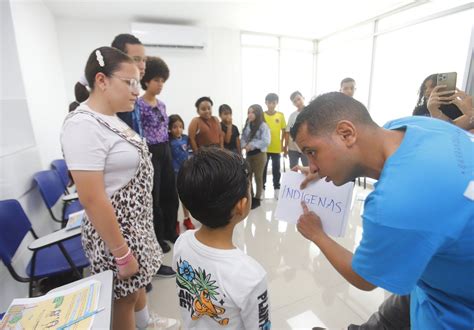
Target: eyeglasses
point(132, 83)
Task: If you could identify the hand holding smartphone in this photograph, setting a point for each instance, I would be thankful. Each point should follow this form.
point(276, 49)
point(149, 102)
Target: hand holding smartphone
point(449, 80)
point(443, 95)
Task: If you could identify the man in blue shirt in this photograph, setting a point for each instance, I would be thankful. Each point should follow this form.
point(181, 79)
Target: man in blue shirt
point(418, 223)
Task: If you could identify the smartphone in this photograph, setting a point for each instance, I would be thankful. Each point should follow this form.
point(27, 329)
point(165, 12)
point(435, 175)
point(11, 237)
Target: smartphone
point(448, 79)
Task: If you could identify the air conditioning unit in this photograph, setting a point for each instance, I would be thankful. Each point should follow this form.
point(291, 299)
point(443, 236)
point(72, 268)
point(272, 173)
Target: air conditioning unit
point(170, 36)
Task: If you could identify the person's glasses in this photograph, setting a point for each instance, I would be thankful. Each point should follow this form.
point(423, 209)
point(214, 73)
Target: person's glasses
point(132, 83)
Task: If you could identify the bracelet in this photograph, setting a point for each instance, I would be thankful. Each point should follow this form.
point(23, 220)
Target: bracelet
point(125, 261)
point(124, 256)
point(121, 246)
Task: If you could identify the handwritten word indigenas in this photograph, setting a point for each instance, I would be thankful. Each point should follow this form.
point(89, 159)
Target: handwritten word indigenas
point(310, 199)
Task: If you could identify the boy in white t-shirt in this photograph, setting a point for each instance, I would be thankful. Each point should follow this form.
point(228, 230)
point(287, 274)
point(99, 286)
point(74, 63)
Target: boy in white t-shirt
point(218, 285)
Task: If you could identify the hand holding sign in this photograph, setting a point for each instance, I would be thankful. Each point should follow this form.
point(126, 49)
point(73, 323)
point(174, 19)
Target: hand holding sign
point(330, 203)
point(309, 177)
point(309, 224)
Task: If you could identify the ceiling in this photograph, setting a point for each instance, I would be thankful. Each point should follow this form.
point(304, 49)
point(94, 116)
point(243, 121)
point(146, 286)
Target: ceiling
point(297, 18)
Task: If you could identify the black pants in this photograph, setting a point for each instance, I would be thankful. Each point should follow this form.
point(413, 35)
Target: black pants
point(275, 170)
point(165, 195)
point(393, 314)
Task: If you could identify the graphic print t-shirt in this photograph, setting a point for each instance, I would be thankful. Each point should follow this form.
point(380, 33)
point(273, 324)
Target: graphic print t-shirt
point(219, 289)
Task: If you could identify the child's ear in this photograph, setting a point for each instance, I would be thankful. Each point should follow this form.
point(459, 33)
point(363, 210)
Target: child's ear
point(241, 206)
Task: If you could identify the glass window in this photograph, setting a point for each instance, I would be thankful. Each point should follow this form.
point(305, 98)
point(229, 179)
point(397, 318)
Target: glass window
point(349, 59)
point(296, 74)
point(424, 10)
point(405, 57)
point(268, 68)
point(297, 44)
point(259, 76)
point(259, 40)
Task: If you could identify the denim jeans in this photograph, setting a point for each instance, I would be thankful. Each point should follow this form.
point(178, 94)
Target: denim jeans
point(295, 156)
point(275, 170)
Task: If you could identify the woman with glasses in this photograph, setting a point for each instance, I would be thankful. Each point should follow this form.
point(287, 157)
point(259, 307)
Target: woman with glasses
point(112, 171)
point(155, 129)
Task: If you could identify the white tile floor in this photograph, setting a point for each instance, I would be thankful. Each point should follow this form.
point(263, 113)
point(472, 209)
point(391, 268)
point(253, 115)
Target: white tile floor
point(305, 290)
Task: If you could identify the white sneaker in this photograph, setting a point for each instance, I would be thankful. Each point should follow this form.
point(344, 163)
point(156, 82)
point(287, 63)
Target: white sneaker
point(163, 323)
point(276, 193)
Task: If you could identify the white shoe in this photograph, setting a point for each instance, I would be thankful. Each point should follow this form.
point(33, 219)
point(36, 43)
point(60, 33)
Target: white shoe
point(276, 193)
point(163, 323)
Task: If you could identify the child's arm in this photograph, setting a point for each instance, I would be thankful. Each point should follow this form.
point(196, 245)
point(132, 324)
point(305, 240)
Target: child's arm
point(237, 143)
point(262, 138)
point(221, 139)
point(228, 134)
point(221, 133)
point(92, 195)
point(192, 135)
point(284, 142)
point(284, 136)
point(255, 311)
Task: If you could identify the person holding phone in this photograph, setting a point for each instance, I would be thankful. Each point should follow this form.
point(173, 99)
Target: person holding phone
point(420, 249)
point(439, 98)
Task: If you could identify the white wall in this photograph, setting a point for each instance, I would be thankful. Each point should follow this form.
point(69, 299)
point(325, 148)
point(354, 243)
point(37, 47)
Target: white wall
point(35, 31)
point(214, 71)
point(24, 140)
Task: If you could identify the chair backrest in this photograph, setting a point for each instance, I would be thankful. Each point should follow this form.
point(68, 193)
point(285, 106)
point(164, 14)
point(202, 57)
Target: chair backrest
point(14, 226)
point(50, 186)
point(59, 165)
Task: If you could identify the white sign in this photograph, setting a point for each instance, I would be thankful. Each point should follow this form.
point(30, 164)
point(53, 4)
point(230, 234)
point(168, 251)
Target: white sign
point(332, 204)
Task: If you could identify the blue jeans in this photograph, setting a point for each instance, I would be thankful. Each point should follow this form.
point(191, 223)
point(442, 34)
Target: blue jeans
point(295, 156)
point(275, 170)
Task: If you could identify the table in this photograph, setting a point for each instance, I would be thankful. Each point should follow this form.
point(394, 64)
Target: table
point(102, 320)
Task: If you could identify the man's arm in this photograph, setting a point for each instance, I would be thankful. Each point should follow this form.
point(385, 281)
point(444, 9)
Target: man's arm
point(309, 225)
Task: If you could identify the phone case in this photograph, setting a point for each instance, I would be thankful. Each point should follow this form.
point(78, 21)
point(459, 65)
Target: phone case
point(448, 79)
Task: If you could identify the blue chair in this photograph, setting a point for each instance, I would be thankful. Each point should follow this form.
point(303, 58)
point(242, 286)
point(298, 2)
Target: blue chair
point(59, 165)
point(52, 189)
point(53, 258)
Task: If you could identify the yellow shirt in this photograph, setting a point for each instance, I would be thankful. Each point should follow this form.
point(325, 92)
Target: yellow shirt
point(276, 122)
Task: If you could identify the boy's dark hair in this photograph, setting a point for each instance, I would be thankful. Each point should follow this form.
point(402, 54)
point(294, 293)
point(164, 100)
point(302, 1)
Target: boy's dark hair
point(323, 113)
point(203, 99)
point(271, 97)
point(123, 39)
point(347, 80)
point(110, 58)
point(211, 183)
point(294, 95)
point(155, 68)
point(173, 119)
point(224, 108)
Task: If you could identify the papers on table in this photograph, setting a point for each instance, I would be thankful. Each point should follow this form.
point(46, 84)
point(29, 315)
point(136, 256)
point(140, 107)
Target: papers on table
point(75, 306)
point(75, 220)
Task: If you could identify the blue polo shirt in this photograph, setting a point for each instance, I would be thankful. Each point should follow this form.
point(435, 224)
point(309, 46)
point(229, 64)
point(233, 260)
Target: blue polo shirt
point(418, 223)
